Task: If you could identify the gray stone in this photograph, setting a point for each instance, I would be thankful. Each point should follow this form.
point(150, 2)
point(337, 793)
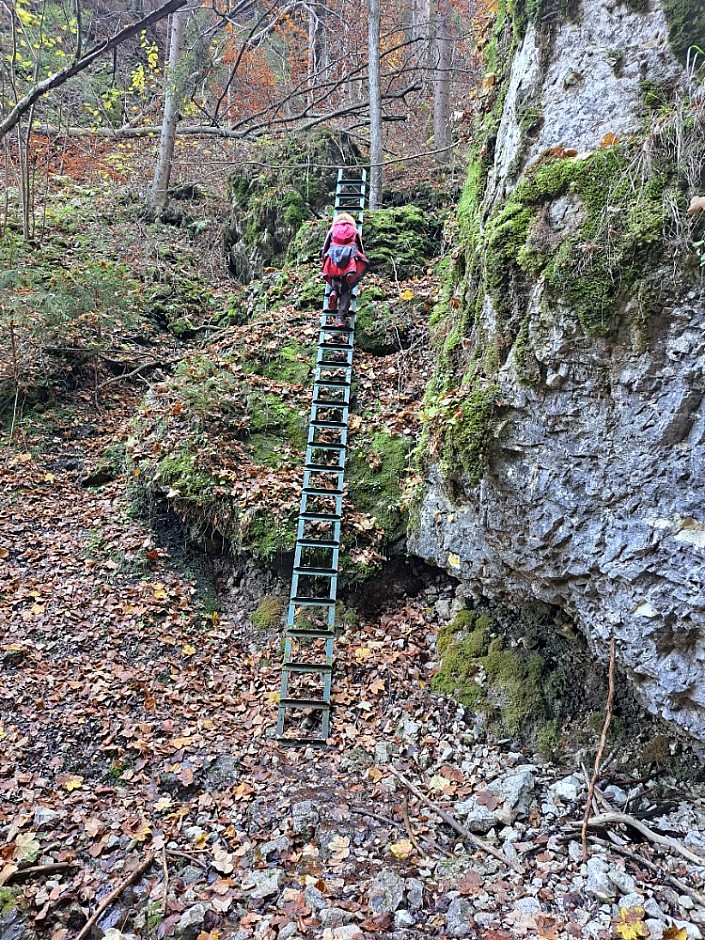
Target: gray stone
point(43, 816)
point(631, 900)
point(568, 788)
point(315, 899)
point(384, 751)
point(192, 874)
point(651, 909)
point(657, 928)
point(515, 789)
point(287, 932)
point(263, 883)
point(477, 817)
point(459, 921)
point(592, 490)
point(414, 893)
point(615, 795)
point(304, 817)
point(403, 919)
point(528, 906)
point(224, 771)
point(599, 884)
point(386, 892)
point(279, 846)
point(622, 880)
point(189, 924)
point(13, 926)
point(332, 916)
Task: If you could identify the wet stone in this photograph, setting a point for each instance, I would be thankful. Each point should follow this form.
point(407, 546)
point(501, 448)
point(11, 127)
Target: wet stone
point(304, 817)
point(189, 925)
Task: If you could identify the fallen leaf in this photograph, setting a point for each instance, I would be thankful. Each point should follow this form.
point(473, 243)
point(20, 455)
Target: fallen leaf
point(222, 860)
point(673, 933)
point(26, 847)
point(401, 849)
point(339, 848)
point(630, 925)
point(188, 650)
point(70, 782)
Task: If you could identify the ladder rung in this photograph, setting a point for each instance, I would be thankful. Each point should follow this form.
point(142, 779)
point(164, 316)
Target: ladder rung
point(316, 572)
point(312, 446)
point(320, 703)
point(313, 543)
point(327, 424)
point(307, 667)
point(313, 633)
point(320, 516)
point(322, 466)
point(331, 383)
point(313, 601)
point(300, 742)
point(316, 491)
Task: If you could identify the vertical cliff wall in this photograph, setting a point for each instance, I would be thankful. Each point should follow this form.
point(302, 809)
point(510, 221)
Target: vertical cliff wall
point(565, 427)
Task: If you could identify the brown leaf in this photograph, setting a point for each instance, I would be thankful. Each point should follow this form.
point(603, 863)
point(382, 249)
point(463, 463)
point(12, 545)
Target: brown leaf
point(471, 883)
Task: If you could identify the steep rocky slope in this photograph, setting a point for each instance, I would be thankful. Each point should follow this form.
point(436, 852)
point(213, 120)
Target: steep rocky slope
point(565, 433)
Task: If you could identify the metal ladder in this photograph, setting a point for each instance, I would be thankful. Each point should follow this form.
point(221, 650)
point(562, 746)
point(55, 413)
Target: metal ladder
point(303, 717)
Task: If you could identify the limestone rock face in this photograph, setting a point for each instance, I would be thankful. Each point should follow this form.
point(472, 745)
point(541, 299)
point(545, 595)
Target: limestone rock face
point(592, 490)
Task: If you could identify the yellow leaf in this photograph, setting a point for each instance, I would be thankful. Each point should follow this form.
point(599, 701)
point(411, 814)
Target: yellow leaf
point(272, 698)
point(675, 933)
point(406, 295)
point(72, 783)
point(159, 592)
point(362, 653)
point(188, 650)
point(630, 925)
point(454, 560)
point(49, 477)
point(401, 849)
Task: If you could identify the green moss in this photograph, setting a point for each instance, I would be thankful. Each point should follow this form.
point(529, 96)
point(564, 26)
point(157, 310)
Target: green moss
point(374, 476)
point(525, 363)
point(686, 26)
point(267, 536)
point(465, 423)
point(402, 240)
point(291, 363)
point(8, 899)
point(268, 614)
point(180, 474)
point(515, 684)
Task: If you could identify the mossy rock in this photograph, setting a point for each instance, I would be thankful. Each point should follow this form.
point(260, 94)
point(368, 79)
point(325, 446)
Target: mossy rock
point(8, 900)
point(517, 687)
point(402, 241)
point(686, 27)
point(268, 613)
point(269, 206)
point(374, 474)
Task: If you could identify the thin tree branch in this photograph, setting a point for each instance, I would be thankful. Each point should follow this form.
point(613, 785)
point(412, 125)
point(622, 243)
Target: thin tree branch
point(58, 78)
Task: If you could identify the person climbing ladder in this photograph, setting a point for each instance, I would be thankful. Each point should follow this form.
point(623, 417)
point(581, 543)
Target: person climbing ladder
point(344, 264)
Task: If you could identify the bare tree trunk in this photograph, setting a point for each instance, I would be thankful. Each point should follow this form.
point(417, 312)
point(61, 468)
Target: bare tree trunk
point(441, 84)
point(172, 103)
point(317, 45)
point(375, 197)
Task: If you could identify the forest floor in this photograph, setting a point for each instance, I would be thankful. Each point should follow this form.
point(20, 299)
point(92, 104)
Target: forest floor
point(142, 794)
point(135, 739)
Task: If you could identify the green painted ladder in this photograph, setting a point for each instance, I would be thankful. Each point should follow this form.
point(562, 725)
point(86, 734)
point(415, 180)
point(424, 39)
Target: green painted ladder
point(307, 672)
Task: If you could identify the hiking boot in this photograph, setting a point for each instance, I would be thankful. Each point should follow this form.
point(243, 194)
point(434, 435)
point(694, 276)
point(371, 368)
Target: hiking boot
point(332, 301)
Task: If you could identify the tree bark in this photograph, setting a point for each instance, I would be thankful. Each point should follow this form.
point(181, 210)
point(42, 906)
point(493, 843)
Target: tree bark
point(172, 104)
point(375, 190)
point(441, 83)
point(58, 78)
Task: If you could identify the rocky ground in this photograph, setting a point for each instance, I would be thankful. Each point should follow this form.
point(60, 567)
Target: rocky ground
point(136, 705)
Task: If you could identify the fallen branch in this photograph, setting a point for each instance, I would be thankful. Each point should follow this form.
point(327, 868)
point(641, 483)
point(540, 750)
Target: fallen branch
point(191, 858)
point(600, 749)
point(622, 819)
point(676, 883)
point(360, 811)
point(165, 888)
point(154, 364)
point(40, 870)
point(107, 901)
point(454, 824)
point(407, 826)
point(79, 64)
